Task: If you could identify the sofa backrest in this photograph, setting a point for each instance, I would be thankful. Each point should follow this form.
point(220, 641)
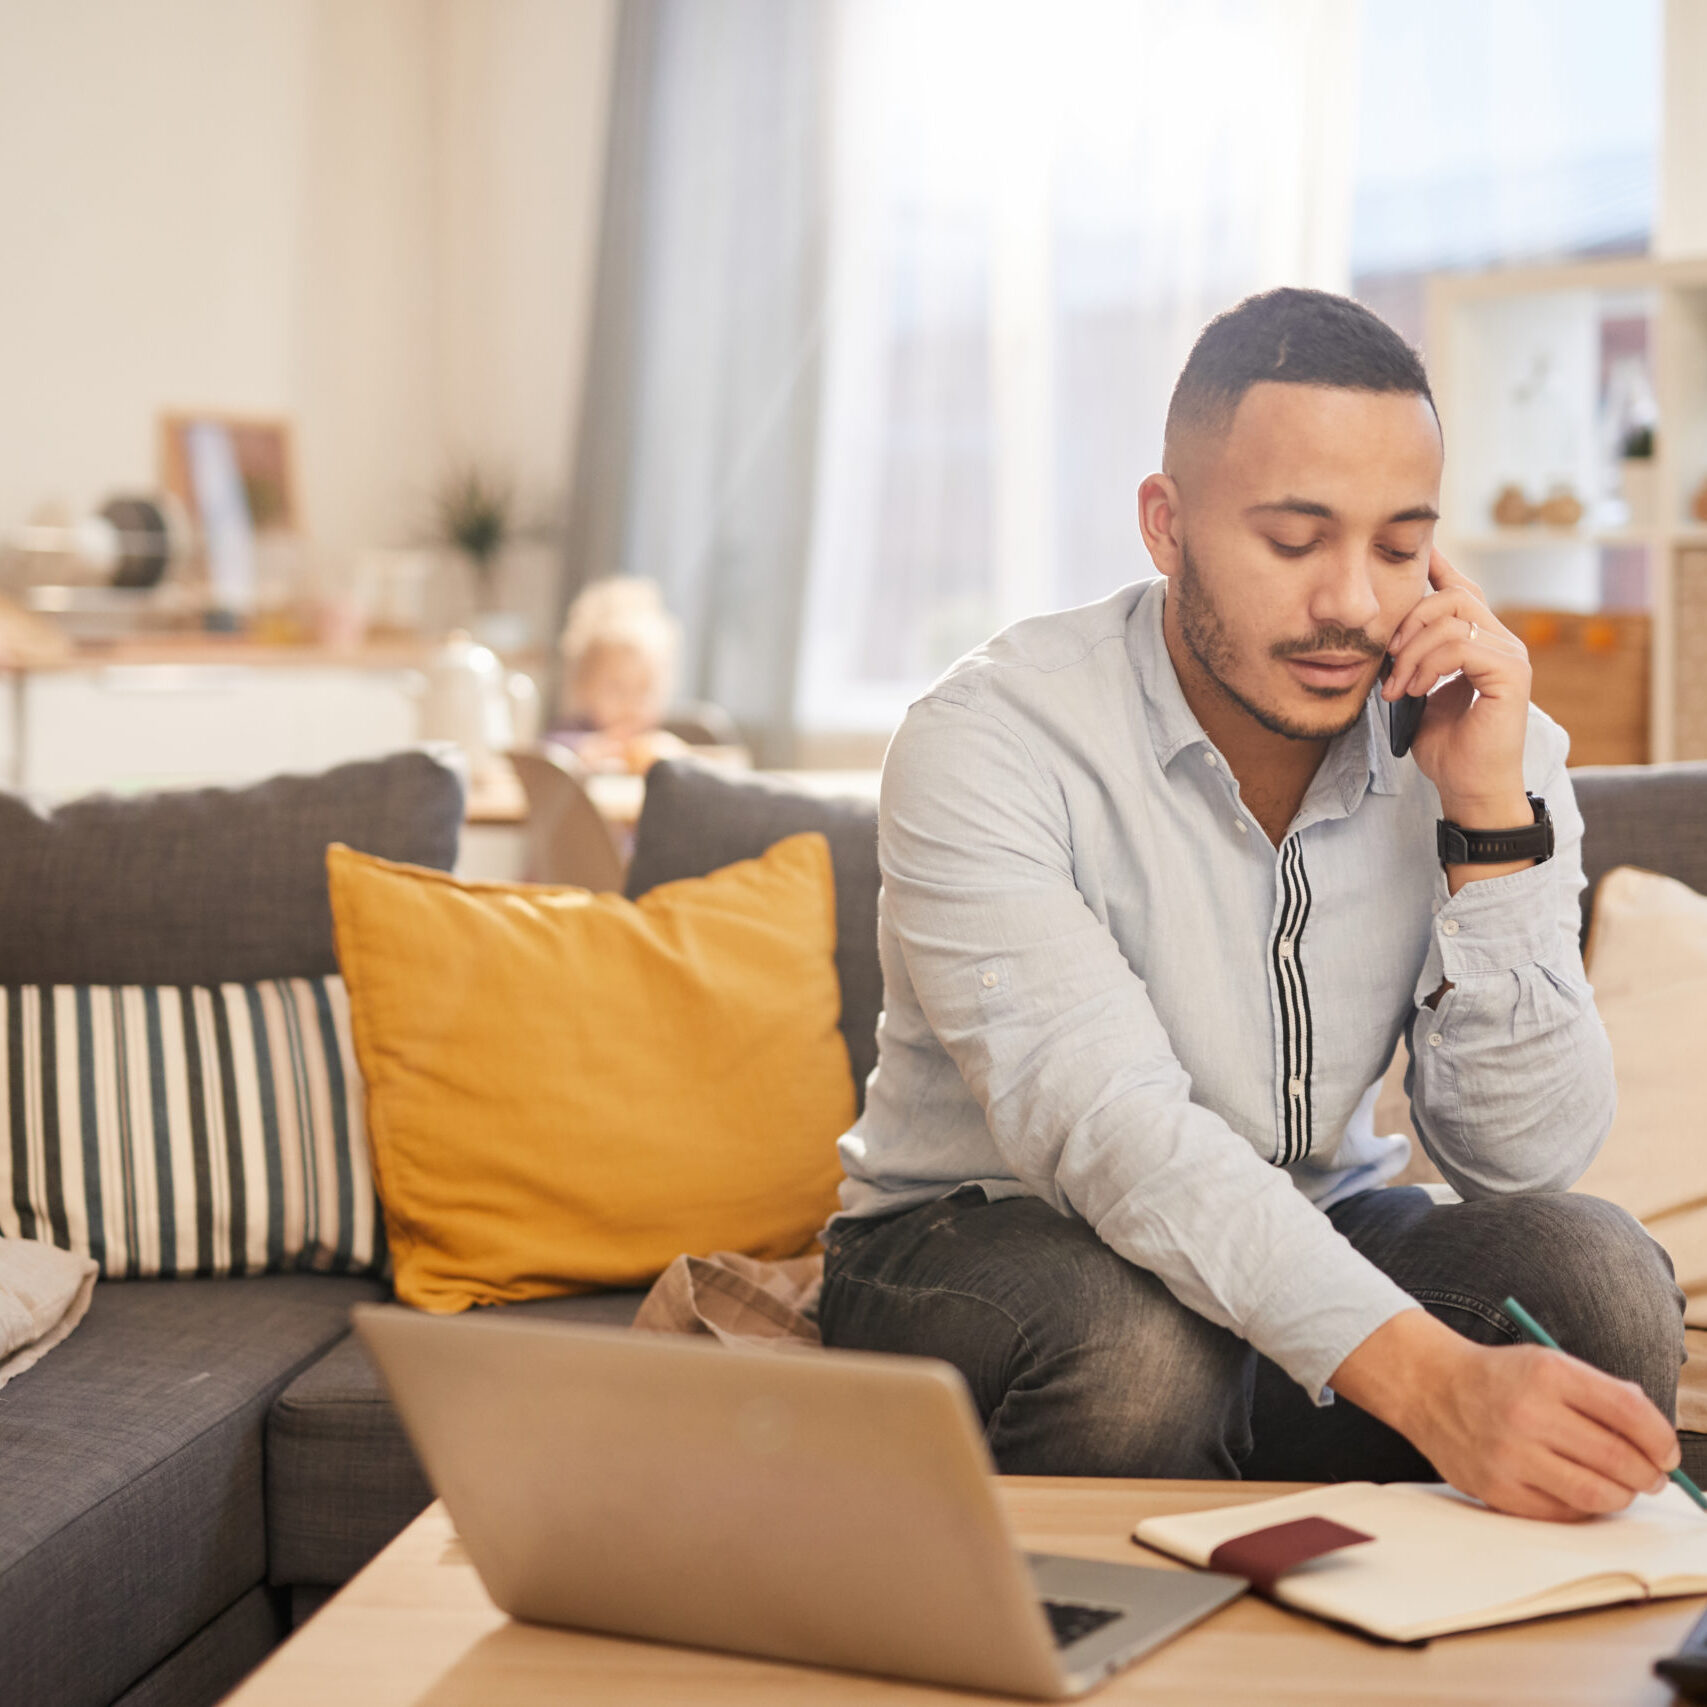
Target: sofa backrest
point(206, 885)
point(1654, 816)
point(697, 818)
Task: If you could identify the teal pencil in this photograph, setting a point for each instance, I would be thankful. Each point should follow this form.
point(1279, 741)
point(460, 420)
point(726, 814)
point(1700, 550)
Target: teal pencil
point(1533, 1330)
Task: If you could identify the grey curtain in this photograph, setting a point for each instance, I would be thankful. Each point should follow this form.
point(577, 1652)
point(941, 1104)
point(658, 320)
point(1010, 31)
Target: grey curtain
point(698, 434)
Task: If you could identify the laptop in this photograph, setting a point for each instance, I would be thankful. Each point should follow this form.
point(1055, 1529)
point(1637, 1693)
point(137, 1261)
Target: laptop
point(825, 1508)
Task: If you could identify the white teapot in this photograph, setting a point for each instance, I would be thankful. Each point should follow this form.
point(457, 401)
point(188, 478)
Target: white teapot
point(471, 699)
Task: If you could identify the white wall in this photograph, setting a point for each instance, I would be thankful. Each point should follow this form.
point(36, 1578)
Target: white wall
point(521, 99)
point(374, 216)
point(365, 310)
point(150, 220)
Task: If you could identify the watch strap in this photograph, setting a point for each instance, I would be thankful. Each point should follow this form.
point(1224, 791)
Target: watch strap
point(1459, 846)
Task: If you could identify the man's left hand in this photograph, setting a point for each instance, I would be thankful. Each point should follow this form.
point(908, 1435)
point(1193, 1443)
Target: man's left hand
point(1470, 742)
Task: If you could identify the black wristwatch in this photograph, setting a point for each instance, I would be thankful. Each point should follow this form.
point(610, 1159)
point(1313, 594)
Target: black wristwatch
point(1459, 846)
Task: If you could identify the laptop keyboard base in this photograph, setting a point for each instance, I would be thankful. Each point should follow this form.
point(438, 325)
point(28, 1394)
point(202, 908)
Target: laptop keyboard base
point(1070, 1622)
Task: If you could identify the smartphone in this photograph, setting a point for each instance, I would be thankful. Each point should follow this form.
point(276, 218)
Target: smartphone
point(1403, 716)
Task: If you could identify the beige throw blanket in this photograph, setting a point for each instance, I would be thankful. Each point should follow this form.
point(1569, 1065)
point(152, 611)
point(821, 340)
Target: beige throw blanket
point(44, 1294)
point(739, 1300)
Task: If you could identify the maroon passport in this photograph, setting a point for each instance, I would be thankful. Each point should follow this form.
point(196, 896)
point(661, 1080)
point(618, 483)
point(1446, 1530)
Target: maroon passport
point(1266, 1555)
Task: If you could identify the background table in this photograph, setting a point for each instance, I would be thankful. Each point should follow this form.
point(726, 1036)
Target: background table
point(494, 836)
point(620, 795)
point(416, 1629)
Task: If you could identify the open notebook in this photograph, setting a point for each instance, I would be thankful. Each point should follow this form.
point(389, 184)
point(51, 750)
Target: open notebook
point(1437, 1562)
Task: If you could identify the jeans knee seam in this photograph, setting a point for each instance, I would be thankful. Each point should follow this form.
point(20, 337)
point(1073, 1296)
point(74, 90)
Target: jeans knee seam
point(993, 1421)
point(940, 1292)
point(1489, 1313)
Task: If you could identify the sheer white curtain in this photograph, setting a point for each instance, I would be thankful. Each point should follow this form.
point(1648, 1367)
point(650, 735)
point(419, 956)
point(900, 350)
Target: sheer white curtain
point(696, 450)
point(1035, 207)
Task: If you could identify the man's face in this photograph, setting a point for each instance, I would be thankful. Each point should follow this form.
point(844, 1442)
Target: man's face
point(1304, 538)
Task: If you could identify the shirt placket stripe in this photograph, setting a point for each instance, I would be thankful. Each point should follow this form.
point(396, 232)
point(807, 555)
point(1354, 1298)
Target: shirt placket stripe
point(1288, 1011)
point(1307, 1067)
point(1297, 1052)
point(1298, 1010)
point(1294, 1008)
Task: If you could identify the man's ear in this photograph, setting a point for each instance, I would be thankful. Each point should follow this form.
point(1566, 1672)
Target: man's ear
point(1160, 521)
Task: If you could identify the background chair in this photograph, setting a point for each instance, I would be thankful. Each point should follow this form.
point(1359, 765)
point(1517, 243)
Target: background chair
point(700, 723)
point(568, 840)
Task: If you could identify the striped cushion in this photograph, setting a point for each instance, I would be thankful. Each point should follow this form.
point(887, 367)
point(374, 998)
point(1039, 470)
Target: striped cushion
point(170, 1130)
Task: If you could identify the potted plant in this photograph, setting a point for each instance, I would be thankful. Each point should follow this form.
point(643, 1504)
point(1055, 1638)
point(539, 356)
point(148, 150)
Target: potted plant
point(474, 511)
point(1637, 478)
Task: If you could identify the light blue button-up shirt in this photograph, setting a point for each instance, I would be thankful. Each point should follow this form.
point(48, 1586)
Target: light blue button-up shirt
point(1104, 986)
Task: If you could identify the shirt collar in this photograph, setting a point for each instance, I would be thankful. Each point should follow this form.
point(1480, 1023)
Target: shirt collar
point(1172, 723)
point(1361, 760)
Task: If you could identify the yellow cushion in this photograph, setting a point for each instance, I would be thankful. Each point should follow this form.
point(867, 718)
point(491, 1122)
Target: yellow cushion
point(568, 1090)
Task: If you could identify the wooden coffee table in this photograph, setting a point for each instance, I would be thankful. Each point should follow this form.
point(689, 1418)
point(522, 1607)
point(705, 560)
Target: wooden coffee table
point(415, 1629)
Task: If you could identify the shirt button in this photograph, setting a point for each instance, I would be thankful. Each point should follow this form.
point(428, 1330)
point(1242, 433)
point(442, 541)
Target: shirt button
point(1295, 1086)
point(989, 980)
point(1240, 825)
point(1435, 1040)
point(1286, 948)
point(1209, 759)
point(1450, 928)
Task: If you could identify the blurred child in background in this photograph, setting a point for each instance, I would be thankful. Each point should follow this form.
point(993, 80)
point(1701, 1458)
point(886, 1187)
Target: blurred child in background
point(619, 650)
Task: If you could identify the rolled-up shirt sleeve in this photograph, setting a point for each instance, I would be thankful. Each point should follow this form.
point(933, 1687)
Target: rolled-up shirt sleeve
point(1056, 1037)
point(1511, 1078)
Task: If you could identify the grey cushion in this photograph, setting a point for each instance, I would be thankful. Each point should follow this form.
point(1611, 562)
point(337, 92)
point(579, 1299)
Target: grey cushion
point(1654, 816)
point(698, 817)
point(214, 1660)
point(306, 1599)
point(342, 1478)
point(205, 886)
point(130, 1473)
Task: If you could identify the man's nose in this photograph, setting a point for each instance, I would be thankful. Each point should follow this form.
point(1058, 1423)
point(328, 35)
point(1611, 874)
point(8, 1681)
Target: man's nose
point(1345, 594)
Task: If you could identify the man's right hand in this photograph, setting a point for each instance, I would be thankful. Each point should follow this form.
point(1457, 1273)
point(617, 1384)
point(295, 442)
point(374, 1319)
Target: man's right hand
point(1525, 1430)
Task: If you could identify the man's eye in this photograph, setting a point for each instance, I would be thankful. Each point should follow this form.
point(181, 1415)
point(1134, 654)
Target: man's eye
point(1394, 555)
point(1284, 550)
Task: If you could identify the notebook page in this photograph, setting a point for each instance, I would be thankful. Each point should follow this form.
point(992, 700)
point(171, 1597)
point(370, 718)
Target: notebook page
point(1655, 1536)
point(1441, 1562)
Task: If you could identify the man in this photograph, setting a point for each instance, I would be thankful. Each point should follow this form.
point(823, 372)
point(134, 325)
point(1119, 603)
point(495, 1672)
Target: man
point(1158, 903)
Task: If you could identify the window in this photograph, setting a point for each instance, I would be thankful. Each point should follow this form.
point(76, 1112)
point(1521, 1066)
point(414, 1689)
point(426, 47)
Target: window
point(1036, 206)
point(1511, 131)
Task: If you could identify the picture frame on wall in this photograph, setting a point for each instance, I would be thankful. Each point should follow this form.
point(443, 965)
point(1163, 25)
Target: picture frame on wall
point(235, 476)
point(264, 451)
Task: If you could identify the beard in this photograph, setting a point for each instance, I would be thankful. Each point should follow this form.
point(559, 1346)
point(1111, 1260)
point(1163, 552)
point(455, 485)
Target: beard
point(1209, 643)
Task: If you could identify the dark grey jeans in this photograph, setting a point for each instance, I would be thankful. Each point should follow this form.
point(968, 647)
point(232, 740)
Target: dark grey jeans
point(1082, 1364)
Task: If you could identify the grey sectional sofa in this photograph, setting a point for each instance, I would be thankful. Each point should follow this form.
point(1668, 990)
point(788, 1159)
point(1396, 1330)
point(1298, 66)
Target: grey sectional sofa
point(134, 1548)
point(204, 1460)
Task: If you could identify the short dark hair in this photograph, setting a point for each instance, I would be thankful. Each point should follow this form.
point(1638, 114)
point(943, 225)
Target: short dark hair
point(1289, 337)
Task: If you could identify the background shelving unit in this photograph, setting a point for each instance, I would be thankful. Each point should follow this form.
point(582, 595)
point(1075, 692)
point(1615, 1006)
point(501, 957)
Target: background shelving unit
point(1519, 359)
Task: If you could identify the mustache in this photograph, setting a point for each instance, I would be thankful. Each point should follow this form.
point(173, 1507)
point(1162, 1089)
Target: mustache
point(1330, 640)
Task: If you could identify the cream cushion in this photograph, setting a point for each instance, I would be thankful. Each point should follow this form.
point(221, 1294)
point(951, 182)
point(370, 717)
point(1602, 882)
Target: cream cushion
point(1647, 958)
